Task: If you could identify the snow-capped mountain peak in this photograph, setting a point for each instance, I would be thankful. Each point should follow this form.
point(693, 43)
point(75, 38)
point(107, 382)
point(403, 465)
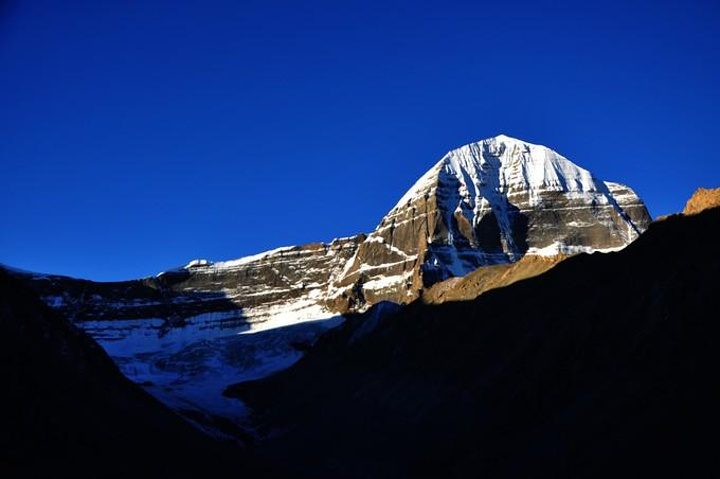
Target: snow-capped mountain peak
point(488, 202)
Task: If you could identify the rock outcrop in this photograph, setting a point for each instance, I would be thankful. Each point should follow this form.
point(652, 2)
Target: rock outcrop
point(702, 199)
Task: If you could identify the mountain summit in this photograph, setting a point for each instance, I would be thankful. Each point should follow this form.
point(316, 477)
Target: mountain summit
point(489, 202)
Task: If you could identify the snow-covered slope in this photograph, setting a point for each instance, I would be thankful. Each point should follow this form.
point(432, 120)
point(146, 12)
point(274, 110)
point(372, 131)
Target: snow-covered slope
point(188, 368)
point(189, 332)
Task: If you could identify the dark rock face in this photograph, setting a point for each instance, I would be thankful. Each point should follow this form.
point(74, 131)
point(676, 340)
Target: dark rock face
point(487, 203)
point(604, 366)
point(68, 412)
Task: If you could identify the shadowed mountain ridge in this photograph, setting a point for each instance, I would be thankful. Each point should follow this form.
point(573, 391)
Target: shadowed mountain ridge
point(604, 365)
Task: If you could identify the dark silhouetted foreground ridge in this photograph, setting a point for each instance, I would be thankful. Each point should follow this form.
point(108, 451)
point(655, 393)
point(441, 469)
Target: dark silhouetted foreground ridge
point(604, 366)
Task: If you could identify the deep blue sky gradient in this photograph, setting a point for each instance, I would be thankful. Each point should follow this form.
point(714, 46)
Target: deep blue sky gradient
point(136, 136)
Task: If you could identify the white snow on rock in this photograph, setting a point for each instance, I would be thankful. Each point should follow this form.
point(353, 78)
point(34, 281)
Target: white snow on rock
point(564, 249)
point(197, 263)
point(504, 178)
point(514, 165)
point(249, 259)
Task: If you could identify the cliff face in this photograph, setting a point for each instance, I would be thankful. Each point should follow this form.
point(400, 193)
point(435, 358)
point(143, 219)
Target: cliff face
point(261, 291)
point(486, 203)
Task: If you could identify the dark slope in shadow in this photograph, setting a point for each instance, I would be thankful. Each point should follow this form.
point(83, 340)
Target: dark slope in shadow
point(68, 412)
point(604, 366)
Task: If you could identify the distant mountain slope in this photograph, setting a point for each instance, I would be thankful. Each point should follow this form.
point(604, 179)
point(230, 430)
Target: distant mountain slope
point(68, 412)
point(604, 366)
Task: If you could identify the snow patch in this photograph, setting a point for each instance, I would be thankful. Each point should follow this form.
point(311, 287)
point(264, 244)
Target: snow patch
point(557, 248)
point(384, 282)
point(197, 263)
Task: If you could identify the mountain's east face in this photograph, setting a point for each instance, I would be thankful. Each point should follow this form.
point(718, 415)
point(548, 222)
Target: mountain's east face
point(487, 203)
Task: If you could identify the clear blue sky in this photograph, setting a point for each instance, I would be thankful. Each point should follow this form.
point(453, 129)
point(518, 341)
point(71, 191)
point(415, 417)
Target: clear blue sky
point(138, 135)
